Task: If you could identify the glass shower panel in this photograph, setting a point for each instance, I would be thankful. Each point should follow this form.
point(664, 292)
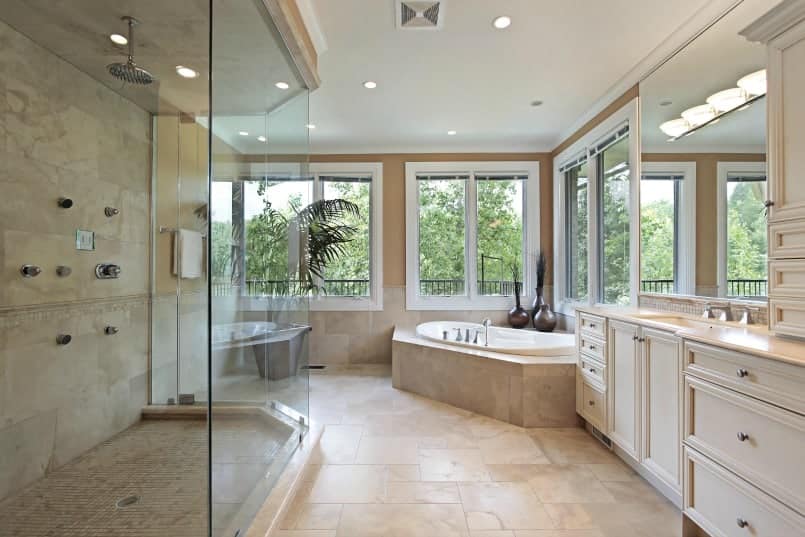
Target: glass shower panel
point(259, 310)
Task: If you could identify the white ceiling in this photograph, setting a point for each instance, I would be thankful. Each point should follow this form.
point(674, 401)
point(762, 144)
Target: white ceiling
point(713, 62)
point(472, 78)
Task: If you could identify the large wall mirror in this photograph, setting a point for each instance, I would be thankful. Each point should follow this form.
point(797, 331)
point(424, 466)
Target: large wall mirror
point(703, 166)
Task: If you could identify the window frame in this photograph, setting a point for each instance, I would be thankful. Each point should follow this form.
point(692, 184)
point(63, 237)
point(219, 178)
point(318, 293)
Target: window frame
point(374, 302)
point(685, 238)
point(723, 170)
point(531, 230)
point(626, 115)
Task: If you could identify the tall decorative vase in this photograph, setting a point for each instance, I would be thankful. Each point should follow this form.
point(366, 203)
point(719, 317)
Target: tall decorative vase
point(544, 318)
point(518, 316)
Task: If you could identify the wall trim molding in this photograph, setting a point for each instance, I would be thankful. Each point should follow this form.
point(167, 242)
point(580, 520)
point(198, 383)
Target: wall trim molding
point(10, 311)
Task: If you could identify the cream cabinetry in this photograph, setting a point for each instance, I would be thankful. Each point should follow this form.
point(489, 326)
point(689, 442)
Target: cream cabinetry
point(591, 373)
point(783, 31)
point(624, 386)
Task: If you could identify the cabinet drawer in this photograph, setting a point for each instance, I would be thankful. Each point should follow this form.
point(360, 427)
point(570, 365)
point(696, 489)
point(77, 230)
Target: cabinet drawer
point(593, 402)
point(593, 370)
point(787, 278)
point(787, 316)
point(592, 346)
point(592, 324)
point(759, 442)
point(775, 382)
point(787, 239)
point(726, 506)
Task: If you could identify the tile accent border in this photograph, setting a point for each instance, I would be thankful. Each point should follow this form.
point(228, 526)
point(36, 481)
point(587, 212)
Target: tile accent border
point(694, 305)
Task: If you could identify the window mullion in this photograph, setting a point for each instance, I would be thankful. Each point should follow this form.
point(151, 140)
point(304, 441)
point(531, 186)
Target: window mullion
point(318, 195)
point(471, 237)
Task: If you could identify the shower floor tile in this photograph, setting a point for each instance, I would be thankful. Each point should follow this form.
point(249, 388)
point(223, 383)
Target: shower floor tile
point(163, 463)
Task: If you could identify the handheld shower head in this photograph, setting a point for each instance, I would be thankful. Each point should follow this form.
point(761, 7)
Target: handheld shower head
point(129, 71)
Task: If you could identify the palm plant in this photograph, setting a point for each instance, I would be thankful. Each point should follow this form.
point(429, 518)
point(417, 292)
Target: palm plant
point(542, 267)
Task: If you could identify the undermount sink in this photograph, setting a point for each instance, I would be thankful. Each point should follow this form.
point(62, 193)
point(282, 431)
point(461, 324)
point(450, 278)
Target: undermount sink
point(680, 322)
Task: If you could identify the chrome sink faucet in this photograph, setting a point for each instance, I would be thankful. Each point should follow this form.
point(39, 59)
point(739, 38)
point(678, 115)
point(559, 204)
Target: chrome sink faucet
point(724, 313)
point(487, 323)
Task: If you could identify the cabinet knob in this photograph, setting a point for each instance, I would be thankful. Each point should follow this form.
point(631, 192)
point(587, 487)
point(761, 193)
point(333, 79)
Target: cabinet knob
point(768, 203)
point(741, 522)
point(635, 338)
point(641, 340)
point(592, 370)
point(743, 437)
point(592, 325)
point(741, 372)
point(591, 402)
point(64, 339)
point(592, 347)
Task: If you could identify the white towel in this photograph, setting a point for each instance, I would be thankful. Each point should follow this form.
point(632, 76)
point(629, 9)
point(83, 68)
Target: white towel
point(188, 254)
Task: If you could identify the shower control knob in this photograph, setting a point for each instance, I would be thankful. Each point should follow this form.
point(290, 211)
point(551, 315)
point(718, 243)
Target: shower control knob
point(63, 271)
point(106, 271)
point(30, 271)
point(65, 203)
point(64, 339)
point(111, 211)
point(111, 330)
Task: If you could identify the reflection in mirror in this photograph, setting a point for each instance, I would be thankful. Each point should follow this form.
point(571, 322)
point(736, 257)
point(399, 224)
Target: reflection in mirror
point(703, 162)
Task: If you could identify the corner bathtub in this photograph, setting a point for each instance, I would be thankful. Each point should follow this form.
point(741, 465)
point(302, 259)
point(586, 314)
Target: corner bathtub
point(502, 340)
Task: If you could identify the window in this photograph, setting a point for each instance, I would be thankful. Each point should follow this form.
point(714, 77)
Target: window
point(596, 216)
point(577, 188)
point(667, 224)
point(266, 259)
point(743, 245)
point(468, 233)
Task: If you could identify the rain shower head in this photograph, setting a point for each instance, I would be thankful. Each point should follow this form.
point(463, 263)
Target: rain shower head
point(129, 71)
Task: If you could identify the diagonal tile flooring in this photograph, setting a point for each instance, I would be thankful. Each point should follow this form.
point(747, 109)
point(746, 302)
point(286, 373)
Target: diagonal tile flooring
point(393, 464)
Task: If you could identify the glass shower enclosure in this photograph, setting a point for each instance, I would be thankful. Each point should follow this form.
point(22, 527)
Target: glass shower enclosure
point(177, 388)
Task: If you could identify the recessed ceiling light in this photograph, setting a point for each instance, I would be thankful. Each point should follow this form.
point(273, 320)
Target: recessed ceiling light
point(185, 72)
point(282, 85)
point(502, 22)
point(261, 138)
point(370, 84)
point(118, 39)
point(536, 103)
point(243, 133)
point(310, 126)
point(451, 133)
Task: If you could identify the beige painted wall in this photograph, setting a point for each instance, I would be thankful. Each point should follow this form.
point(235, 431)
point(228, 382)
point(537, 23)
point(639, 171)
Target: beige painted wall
point(706, 205)
point(394, 198)
point(64, 134)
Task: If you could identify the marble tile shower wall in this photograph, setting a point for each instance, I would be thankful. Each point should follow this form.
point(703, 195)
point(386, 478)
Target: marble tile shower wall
point(364, 337)
point(64, 134)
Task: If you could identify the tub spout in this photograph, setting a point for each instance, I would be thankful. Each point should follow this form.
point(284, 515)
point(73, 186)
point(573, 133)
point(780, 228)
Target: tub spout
point(487, 323)
point(467, 335)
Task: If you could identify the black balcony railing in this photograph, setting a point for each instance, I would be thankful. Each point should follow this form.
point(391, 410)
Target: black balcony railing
point(452, 287)
point(433, 287)
point(739, 287)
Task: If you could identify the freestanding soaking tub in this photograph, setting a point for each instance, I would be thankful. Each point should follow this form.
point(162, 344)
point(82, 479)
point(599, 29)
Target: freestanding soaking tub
point(524, 377)
point(259, 335)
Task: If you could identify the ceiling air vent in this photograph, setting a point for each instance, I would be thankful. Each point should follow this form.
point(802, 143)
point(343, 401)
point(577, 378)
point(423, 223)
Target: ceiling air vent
point(419, 15)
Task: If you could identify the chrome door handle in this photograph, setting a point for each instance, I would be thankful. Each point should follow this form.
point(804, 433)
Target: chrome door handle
point(741, 522)
point(742, 372)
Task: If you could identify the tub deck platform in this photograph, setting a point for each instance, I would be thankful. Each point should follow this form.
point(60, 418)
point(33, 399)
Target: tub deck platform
point(529, 391)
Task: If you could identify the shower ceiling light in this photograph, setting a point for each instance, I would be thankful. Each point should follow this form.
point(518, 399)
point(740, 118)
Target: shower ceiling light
point(754, 83)
point(282, 85)
point(261, 138)
point(675, 127)
point(699, 115)
point(118, 39)
point(370, 84)
point(451, 133)
point(727, 99)
point(185, 72)
point(502, 22)
point(243, 133)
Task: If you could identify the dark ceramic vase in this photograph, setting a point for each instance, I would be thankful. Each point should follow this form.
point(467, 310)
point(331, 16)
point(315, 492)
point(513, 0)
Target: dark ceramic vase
point(518, 316)
point(544, 318)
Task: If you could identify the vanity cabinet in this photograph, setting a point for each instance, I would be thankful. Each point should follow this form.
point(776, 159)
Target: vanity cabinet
point(783, 32)
point(624, 386)
point(591, 373)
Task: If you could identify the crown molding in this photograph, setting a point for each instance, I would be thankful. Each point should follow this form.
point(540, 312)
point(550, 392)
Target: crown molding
point(775, 22)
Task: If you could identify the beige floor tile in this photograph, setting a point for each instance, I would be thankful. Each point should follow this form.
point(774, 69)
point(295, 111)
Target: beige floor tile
point(500, 506)
point(569, 446)
point(304, 533)
point(635, 491)
point(402, 472)
point(567, 483)
point(452, 465)
point(570, 516)
point(313, 516)
point(338, 445)
point(511, 472)
point(638, 520)
point(387, 450)
point(402, 520)
point(617, 471)
point(492, 533)
point(564, 533)
point(422, 492)
point(348, 483)
point(511, 448)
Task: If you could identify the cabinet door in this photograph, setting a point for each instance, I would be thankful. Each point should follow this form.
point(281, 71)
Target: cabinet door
point(786, 83)
point(624, 386)
point(662, 403)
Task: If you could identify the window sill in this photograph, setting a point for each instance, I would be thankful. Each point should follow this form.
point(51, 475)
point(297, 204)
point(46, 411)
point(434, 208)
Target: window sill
point(440, 303)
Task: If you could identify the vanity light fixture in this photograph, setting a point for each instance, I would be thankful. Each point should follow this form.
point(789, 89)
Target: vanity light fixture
point(186, 72)
point(118, 39)
point(451, 133)
point(502, 22)
point(282, 85)
point(751, 88)
point(261, 138)
point(370, 84)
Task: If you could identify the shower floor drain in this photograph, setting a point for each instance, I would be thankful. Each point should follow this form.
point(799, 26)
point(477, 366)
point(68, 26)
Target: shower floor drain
point(127, 501)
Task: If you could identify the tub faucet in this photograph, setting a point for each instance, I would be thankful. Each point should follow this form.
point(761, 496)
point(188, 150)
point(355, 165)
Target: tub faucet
point(467, 336)
point(458, 334)
point(487, 323)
